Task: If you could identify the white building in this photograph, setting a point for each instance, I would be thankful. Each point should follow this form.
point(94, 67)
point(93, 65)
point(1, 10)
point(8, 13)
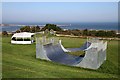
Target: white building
point(22, 38)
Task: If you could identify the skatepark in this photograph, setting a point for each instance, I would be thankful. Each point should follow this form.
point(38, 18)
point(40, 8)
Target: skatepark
point(53, 50)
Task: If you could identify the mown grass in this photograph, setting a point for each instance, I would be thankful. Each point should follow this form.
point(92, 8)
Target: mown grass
point(19, 62)
point(77, 53)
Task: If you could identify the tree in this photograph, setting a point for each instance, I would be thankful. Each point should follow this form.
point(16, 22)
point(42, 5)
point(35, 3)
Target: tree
point(85, 32)
point(18, 31)
point(33, 29)
point(37, 28)
point(25, 29)
point(4, 33)
point(111, 33)
point(51, 26)
point(92, 33)
point(76, 32)
point(100, 33)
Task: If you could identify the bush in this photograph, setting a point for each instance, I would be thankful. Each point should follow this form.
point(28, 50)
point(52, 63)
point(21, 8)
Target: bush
point(95, 33)
point(18, 31)
point(29, 29)
point(5, 33)
point(25, 29)
point(51, 26)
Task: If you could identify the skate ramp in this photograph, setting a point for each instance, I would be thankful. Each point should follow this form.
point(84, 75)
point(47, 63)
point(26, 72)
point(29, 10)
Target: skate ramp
point(82, 48)
point(56, 54)
point(94, 56)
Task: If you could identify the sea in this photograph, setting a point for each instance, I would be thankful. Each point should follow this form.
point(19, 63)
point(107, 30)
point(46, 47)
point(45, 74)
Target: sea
point(80, 26)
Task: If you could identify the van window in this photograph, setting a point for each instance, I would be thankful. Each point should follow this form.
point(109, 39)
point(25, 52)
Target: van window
point(14, 38)
point(19, 39)
point(27, 39)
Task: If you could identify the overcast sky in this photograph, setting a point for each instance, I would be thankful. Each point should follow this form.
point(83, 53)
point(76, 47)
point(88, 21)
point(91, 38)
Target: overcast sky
point(38, 12)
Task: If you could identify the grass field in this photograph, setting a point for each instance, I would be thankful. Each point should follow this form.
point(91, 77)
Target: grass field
point(19, 62)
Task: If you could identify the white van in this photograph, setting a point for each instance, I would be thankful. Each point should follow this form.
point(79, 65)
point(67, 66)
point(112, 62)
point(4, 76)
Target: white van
point(22, 38)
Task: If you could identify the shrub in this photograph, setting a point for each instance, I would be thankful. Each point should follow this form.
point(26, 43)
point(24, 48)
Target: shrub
point(51, 26)
point(4, 33)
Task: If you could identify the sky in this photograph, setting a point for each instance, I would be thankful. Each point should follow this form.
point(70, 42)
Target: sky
point(39, 12)
point(0, 13)
point(60, 0)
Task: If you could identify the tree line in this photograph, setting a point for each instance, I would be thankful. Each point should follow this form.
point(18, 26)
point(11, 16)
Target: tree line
point(34, 29)
point(86, 32)
point(38, 29)
point(75, 32)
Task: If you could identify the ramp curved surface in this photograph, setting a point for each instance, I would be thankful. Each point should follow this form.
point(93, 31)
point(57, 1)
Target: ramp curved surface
point(82, 48)
point(56, 54)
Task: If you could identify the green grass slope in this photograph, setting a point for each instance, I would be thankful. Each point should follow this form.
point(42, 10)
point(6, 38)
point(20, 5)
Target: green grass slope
point(19, 62)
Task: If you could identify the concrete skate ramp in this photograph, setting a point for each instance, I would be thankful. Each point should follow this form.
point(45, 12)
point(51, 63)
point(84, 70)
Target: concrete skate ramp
point(95, 54)
point(56, 54)
point(82, 48)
